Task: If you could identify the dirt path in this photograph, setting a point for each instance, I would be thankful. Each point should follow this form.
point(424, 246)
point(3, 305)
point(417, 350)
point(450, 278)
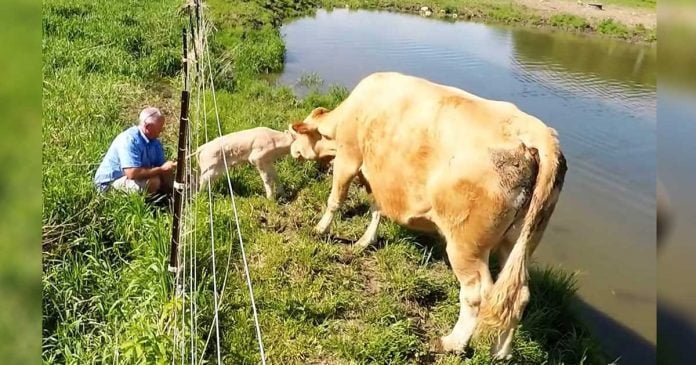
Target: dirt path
point(627, 15)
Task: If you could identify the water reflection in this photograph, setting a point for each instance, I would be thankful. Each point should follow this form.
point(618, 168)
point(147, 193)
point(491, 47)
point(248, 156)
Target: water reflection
point(606, 59)
point(614, 73)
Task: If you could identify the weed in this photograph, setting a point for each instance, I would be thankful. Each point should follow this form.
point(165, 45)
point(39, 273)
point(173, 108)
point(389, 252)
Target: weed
point(609, 26)
point(569, 22)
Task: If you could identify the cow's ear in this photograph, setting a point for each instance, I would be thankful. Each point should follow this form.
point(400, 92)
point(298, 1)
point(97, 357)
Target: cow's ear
point(317, 112)
point(303, 128)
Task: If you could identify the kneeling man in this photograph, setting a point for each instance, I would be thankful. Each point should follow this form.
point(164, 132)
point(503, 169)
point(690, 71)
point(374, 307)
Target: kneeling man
point(135, 160)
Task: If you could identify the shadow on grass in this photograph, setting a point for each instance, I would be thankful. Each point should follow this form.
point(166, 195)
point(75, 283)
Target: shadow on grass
point(557, 326)
point(247, 184)
point(559, 323)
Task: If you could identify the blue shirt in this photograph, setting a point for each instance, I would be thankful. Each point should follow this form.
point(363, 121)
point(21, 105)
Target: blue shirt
point(131, 148)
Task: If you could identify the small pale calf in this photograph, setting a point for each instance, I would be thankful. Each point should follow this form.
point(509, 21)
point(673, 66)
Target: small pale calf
point(259, 146)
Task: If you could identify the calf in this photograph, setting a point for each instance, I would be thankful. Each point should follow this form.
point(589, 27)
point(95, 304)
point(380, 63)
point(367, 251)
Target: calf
point(259, 146)
point(481, 173)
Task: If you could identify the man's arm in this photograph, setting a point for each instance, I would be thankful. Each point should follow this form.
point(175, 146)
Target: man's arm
point(141, 173)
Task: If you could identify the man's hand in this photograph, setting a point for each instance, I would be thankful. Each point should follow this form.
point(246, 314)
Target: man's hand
point(168, 166)
point(139, 173)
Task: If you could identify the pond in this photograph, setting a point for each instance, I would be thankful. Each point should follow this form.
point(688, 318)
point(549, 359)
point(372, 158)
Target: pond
point(599, 94)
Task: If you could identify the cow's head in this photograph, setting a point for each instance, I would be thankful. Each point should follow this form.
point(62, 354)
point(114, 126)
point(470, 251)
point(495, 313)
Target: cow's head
point(310, 143)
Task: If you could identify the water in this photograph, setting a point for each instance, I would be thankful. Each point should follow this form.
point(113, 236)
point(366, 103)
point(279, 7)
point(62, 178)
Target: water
point(677, 171)
point(600, 95)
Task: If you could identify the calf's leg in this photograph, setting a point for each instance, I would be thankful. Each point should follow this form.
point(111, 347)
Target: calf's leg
point(206, 177)
point(268, 176)
point(263, 162)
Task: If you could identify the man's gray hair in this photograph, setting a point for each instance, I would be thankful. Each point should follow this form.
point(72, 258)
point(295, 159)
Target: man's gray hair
point(149, 115)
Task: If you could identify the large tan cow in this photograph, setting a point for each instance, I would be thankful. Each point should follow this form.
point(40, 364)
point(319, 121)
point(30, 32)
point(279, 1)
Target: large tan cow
point(481, 173)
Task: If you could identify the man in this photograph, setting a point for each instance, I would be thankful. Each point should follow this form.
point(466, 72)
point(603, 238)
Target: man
point(135, 160)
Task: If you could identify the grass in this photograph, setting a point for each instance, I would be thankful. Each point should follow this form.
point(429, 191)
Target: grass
point(104, 287)
point(569, 22)
point(20, 190)
point(106, 290)
point(509, 12)
point(650, 4)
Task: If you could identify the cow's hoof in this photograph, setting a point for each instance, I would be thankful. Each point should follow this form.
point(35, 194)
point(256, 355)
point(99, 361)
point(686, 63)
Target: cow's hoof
point(453, 345)
point(502, 351)
point(320, 229)
point(507, 357)
point(362, 243)
point(503, 354)
point(436, 345)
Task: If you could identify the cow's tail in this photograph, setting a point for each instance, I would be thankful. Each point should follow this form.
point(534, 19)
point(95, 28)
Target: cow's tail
point(502, 307)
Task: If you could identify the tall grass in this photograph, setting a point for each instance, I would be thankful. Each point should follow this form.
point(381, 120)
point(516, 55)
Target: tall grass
point(107, 293)
point(104, 288)
point(20, 190)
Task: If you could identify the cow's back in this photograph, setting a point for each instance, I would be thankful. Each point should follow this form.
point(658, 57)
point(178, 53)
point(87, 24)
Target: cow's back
point(420, 142)
point(404, 110)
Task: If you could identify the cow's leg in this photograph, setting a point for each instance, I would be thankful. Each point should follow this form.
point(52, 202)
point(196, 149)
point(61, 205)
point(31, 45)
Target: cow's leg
point(371, 233)
point(503, 251)
point(471, 269)
point(502, 347)
point(344, 171)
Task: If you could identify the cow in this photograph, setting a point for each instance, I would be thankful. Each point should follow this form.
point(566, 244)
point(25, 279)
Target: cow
point(480, 173)
point(260, 146)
